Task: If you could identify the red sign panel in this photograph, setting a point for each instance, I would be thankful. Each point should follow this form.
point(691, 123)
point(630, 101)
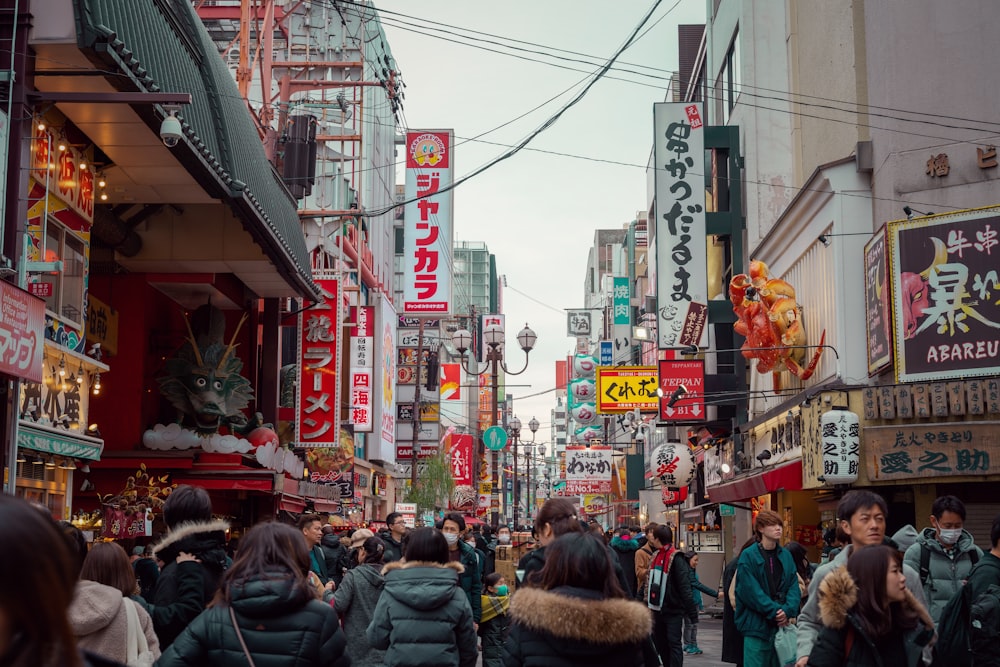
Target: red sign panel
point(21, 327)
point(690, 404)
point(318, 408)
point(461, 459)
point(43, 290)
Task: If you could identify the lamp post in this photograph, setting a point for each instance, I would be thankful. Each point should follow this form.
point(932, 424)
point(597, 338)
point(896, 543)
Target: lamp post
point(515, 434)
point(529, 501)
point(493, 335)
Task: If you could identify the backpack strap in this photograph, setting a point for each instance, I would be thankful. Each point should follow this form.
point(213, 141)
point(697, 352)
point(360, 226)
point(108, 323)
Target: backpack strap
point(925, 564)
point(974, 557)
point(848, 642)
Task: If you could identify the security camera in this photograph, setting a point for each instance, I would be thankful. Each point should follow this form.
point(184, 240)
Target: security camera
point(170, 129)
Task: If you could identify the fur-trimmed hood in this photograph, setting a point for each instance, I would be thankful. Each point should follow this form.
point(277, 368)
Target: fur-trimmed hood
point(838, 594)
point(422, 585)
point(574, 614)
point(195, 537)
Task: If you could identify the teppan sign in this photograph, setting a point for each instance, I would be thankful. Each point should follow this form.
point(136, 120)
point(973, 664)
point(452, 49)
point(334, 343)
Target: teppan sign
point(932, 450)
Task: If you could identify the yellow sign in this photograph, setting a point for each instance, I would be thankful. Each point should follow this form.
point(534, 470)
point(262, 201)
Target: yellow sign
point(430, 412)
point(102, 325)
point(625, 388)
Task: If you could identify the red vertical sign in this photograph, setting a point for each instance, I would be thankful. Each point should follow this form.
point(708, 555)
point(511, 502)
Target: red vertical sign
point(461, 459)
point(690, 402)
point(318, 415)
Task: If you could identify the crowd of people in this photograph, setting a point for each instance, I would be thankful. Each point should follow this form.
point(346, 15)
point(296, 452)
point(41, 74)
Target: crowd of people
point(297, 595)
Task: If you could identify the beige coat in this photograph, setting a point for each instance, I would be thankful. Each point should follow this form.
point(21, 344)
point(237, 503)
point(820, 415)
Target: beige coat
point(99, 621)
point(643, 557)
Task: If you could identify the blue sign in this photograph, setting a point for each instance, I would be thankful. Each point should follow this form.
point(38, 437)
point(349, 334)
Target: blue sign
point(607, 353)
point(495, 438)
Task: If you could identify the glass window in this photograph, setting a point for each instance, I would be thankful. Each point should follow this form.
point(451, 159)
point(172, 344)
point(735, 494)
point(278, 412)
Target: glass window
point(732, 73)
point(66, 299)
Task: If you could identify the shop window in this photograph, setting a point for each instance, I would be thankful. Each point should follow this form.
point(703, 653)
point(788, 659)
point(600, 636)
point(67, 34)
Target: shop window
point(66, 299)
point(731, 74)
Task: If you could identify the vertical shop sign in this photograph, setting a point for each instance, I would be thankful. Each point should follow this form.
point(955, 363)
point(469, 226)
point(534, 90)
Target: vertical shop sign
point(317, 411)
point(427, 238)
point(681, 254)
point(461, 459)
point(621, 303)
point(385, 381)
point(21, 333)
point(877, 287)
point(841, 432)
point(362, 365)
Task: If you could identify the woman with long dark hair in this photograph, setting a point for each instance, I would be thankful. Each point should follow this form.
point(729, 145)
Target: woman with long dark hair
point(37, 580)
point(105, 619)
point(869, 616)
point(266, 611)
point(355, 600)
point(577, 613)
point(423, 616)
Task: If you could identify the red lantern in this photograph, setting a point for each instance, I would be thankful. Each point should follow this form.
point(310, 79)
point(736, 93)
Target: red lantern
point(674, 496)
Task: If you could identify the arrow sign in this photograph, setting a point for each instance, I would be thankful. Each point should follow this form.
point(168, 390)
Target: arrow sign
point(691, 374)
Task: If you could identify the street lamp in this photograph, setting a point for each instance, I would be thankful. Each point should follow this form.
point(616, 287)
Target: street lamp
point(514, 425)
point(529, 502)
point(493, 336)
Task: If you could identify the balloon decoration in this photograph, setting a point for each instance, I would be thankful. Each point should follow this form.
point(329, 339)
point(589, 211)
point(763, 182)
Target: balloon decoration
point(584, 366)
point(585, 414)
point(674, 465)
point(674, 497)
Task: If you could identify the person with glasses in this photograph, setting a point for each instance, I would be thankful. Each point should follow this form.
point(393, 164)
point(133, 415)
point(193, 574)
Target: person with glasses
point(393, 537)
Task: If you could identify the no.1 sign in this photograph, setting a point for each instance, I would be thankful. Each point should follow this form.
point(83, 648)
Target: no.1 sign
point(690, 404)
point(495, 438)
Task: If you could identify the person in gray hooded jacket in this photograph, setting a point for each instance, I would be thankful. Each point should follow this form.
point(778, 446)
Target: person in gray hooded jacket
point(355, 600)
point(423, 616)
point(948, 551)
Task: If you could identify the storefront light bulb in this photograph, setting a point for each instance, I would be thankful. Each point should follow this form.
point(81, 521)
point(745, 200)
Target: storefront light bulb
point(62, 147)
point(62, 367)
point(104, 196)
point(101, 183)
point(83, 166)
point(41, 127)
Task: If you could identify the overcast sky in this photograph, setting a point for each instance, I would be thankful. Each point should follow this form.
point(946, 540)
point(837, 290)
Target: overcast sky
point(537, 212)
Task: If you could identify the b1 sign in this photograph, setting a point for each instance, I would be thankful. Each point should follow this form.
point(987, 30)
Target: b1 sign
point(690, 405)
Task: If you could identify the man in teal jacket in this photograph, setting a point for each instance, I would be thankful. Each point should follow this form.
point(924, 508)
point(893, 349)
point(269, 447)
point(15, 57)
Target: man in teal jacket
point(471, 579)
point(767, 592)
point(943, 554)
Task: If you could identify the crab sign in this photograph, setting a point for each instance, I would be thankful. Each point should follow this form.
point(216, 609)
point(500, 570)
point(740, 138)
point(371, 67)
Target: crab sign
point(768, 317)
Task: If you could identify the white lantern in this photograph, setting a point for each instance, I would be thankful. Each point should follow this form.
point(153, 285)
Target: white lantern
point(582, 390)
point(588, 433)
point(584, 366)
point(673, 463)
point(841, 431)
point(584, 414)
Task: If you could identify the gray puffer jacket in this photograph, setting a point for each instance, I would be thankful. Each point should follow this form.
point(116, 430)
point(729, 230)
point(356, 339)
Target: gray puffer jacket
point(946, 572)
point(423, 617)
point(354, 601)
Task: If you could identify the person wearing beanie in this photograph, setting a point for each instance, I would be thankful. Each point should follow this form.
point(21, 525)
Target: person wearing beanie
point(905, 537)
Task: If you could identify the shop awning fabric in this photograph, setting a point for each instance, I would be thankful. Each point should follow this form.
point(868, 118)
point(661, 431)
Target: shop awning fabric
point(57, 441)
point(787, 477)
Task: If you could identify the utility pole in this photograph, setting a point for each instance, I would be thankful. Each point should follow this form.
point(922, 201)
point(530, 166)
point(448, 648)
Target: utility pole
point(416, 408)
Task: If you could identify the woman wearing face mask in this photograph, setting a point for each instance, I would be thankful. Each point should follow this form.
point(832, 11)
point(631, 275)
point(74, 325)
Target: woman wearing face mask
point(943, 554)
point(869, 616)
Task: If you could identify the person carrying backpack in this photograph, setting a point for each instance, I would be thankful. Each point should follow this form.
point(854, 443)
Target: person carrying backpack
point(943, 554)
point(969, 627)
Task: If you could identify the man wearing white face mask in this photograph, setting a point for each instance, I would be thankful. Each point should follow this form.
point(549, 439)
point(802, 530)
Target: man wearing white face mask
point(943, 554)
point(471, 579)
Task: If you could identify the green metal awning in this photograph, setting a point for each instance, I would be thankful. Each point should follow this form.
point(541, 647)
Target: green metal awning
point(56, 441)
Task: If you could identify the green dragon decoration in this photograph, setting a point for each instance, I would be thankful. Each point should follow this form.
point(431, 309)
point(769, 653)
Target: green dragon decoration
point(203, 380)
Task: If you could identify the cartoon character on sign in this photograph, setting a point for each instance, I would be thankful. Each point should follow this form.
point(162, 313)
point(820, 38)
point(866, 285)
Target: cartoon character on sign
point(768, 316)
point(427, 150)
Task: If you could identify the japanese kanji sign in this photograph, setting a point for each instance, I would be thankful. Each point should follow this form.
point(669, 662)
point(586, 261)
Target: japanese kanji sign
point(946, 295)
point(681, 254)
point(620, 298)
point(427, 236)
point(318, 413)
point(588, 469)
point(877, 290)
point(21, 333)
point(385, 382)
point(578, 323)
point(841, 432)
point(362, 364)
point(953, 449)
point(460, 450)
point(625, 388)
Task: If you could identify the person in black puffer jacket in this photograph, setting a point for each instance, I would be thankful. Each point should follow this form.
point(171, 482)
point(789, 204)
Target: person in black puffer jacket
point(194, 557)
point(335, 554)
point(576, 613)
point(267, 595)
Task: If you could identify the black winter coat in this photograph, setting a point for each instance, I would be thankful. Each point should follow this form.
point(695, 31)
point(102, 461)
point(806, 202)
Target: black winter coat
point(732, 640)
point(184, 589)
point(335, 555)
point(393, 548)
point(838, 596)
point(570, 627)
point(282, 625)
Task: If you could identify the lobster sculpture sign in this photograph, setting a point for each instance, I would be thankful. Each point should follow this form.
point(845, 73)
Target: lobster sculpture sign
point(768, 317)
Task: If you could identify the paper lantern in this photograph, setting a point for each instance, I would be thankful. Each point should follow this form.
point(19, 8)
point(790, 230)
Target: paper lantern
point(674, 496)
point(673, 463)
point(584, 366)
point(587, 433)
point(582, 390)
point(584, 414)
point(841, 431)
